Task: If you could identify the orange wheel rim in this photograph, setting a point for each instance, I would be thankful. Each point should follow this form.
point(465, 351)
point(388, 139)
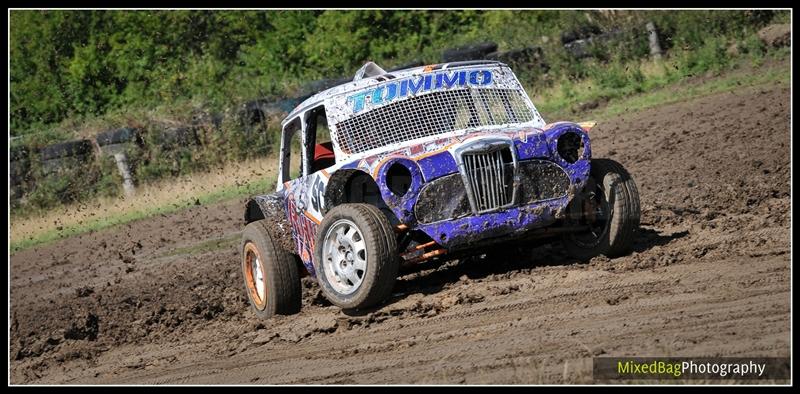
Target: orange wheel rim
point(255, 275)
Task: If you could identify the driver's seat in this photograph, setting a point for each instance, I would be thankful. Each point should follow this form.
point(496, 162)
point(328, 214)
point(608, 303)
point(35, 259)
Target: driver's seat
point(323, 156)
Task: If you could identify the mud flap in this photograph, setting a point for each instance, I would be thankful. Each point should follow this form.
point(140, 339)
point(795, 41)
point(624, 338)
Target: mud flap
point(271, 208)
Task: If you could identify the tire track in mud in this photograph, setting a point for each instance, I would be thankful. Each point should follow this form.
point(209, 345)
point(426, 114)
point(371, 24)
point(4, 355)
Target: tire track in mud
point(343, 351)
point(709, 276)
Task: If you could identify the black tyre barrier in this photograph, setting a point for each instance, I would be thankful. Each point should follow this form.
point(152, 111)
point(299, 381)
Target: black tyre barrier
point(66, 149)
point(285, 105)
point(582, 32)
point(469, 52)
point(252, 112)
point(15, 194)
point(58, 164)
point(581, 48)
point(118, 136)
point(258, 111)
point(203, 119)
point(215, 119)
point(18, 153)
point(18, 171)
point(178, 136)
point(525, 57)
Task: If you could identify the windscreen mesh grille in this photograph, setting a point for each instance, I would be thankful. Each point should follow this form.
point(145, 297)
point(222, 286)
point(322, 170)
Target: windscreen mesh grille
point(431, 114)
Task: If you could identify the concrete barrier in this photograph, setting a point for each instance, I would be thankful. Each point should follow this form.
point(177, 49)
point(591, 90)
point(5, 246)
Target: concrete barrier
point(115, 143)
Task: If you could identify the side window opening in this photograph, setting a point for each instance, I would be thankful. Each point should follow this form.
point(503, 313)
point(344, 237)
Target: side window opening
point(291, 151)
point(319, 135)
point(296, 155)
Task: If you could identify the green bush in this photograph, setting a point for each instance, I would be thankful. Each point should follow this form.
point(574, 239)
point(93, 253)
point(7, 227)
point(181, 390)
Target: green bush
point(754, 48)
point(711, 56)
point(108, 69)
point(67, 64)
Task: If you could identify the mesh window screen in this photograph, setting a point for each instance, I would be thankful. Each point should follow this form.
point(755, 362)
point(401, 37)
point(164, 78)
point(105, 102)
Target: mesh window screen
point(431, 114)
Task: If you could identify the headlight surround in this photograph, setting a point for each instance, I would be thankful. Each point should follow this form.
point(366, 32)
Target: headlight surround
point(570, 147)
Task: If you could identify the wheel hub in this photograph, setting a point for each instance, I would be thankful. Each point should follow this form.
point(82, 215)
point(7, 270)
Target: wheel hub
point(344, 256)
point(596, 212)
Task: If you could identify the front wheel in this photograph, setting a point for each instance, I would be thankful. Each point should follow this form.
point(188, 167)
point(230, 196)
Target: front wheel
point(610, 210)
point(355, 256)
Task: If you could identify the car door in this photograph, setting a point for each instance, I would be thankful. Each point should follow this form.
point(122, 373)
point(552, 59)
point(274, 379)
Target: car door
point(304, 190)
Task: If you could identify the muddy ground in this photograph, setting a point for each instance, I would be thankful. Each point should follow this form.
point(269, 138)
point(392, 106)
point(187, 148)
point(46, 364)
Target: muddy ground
point(161, 300)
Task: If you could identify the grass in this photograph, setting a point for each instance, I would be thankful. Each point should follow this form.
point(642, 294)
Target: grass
point(558, 101)
point(659, 86)
point(234, 180)
point(237, 180)
point(714, 86)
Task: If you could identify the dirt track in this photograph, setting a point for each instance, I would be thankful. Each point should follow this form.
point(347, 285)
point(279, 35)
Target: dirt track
point(158, 301)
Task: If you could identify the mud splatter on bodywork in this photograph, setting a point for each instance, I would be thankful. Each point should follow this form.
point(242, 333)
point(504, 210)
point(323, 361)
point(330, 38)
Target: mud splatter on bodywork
point(526, 186)
point(545, 189)
point(270, 207)
point(545, 184)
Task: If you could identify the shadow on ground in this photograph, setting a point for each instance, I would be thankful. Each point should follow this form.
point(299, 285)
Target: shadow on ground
point(431, 278)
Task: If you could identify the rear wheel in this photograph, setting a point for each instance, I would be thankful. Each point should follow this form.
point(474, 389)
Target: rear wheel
point(610, 210)
point(271, 278)
point(355, 256)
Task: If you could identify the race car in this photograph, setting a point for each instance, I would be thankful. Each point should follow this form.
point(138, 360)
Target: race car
point(420, 165)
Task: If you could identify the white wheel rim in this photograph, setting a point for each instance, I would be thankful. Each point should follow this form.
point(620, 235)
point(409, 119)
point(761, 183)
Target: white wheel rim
point(344, 256)
point(258, 277)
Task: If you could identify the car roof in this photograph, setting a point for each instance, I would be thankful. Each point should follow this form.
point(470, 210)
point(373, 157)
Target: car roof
point(360, 84)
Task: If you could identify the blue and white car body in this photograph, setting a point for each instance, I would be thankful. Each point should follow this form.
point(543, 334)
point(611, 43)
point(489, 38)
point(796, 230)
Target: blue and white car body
point(455, 153)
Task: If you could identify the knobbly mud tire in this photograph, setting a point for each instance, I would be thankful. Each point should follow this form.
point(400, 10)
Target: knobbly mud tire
point(281, 293)
point(621, 197)
point(382, 263)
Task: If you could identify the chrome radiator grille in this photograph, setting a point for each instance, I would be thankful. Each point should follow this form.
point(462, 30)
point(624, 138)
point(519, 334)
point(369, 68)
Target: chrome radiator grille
point(489, 178)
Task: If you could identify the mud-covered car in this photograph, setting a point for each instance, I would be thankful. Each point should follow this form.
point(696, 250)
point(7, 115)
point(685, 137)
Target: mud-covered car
point(427, 163)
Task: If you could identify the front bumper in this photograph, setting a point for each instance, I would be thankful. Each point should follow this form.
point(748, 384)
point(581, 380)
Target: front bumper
point(544, 185)
point(446, 198)
point(443, 199)
point(461, 233)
